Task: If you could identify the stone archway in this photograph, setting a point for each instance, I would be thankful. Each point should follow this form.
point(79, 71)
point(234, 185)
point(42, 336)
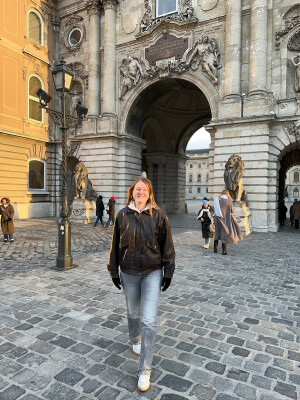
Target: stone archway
point(288, 159)
point(166, 114)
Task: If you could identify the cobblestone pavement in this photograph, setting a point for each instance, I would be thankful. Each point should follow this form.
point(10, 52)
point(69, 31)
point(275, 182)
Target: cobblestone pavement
point(229, 326)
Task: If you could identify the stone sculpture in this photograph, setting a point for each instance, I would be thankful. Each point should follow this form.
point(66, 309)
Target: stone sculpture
point(296, 61)
point(131, 70)
point(83, 186)
point(234, 170)
point(205, 53)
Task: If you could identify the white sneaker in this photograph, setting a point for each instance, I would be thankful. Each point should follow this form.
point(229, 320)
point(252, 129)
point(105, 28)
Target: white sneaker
point(136, 349)
point(144, 382)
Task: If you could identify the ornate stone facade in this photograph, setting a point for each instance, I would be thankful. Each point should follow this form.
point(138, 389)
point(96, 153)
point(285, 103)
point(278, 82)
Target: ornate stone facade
point(150, 80)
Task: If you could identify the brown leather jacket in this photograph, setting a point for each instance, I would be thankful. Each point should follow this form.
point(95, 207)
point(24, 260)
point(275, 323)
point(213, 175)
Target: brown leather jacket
point(141, 243)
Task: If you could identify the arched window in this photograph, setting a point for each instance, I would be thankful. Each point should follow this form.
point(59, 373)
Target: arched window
point(199, 165)
point(296, 176)
point(199, 190)
point(296, 193)
point(191, 166)
point(207, 177)
point(37, 175)
point(164, 7)
point(190, 190)
point(34, 111)
point(35, 26)
point(199, 178)
point(191, 178)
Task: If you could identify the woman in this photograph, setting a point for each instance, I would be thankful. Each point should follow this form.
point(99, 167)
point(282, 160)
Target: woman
point(7, 225)
point(226, 227)
point(110, 209)
point(205, 216)
point(142, 246)
point(99, 211)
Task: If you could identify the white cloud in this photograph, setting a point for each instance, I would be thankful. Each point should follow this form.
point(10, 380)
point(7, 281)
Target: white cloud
point(199, 140)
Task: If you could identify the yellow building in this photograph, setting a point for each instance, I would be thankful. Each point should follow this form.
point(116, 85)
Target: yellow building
point(26, 42)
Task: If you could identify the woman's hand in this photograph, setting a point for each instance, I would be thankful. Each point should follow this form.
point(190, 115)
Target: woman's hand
point(117, 282)
point(202, 219)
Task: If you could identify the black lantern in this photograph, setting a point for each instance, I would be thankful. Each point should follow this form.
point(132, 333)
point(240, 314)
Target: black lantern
point(62, 77)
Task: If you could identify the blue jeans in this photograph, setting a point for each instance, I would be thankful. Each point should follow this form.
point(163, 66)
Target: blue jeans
point(142, 294)
point(206, 240)
point(9, 236)
point(109, 222)
point(97, 220)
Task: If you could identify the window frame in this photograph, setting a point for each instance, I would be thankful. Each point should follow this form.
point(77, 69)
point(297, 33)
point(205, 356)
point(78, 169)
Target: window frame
point(294, 193)
point(190, 190)
point(191, 166)
point(199, 165)
point(37, 191)
point(199, 178)
point(38, 14)
point(296, 173)
point(162, 15)
point(30, 97)
point(190, 178)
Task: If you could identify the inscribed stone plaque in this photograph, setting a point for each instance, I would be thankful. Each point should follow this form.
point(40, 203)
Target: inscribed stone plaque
point(167, 46)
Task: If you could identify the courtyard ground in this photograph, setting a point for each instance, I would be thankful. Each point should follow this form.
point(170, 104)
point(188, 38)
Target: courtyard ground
point(229, 326)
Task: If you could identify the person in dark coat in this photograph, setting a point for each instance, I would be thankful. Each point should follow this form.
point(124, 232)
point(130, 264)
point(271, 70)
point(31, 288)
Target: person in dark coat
point(99, 211)
point(226, 227)
point(282, 210)
point(292, 218)
point(7, 225)
point(110, 209)
point(142, 248)
point(205, 217)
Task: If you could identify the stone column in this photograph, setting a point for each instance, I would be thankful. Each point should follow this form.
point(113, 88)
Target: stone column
point(258, 47)
point(161, 183)
point(93, 8)
point(109, 65)
point(232, 84)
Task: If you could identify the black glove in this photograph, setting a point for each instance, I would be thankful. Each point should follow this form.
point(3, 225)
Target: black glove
point(117, 282)
point(166, 282)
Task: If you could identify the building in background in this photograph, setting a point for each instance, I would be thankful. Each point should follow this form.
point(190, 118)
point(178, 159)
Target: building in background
point(197, 174)
point(26, 161)
point(292, 185)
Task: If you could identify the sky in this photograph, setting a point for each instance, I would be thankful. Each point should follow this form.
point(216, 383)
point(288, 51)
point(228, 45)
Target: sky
point(200, 140)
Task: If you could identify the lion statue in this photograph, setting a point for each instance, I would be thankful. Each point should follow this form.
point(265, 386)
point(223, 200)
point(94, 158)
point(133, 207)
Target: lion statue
point(83, 186)
point(234, 170)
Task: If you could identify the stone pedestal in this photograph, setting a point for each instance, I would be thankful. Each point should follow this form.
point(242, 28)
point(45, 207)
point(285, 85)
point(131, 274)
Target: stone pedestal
point(83, 211)
point(243, 216)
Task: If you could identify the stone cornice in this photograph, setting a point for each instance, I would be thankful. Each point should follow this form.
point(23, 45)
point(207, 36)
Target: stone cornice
point(240, 121)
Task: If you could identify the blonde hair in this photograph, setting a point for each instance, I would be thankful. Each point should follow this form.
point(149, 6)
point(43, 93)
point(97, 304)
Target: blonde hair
point(150, 202)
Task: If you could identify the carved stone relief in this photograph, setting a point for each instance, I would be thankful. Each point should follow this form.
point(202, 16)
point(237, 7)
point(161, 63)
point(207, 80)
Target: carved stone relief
point(296, 62)
point(291, 20)
point(293, 129)
point(203, 54)
point(79, 71)
point(149, 21)
point(208, 5)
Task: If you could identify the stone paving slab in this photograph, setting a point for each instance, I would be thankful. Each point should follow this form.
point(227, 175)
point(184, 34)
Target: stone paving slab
point(229, 326)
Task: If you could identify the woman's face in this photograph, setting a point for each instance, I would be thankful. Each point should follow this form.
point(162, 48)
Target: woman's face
point(4, 201)
point(205, 205)
point(140, 192)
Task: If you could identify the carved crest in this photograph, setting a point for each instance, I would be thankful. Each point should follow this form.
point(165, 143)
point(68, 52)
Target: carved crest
point(293, 129)
point(291, 20)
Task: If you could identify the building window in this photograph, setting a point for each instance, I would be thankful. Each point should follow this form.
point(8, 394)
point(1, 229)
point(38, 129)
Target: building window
point(198, 190)
point(296, 176)
point(199, 165)
point(191, 178)
point(164, 7)
point(191, 166)
point(199, 178)
point(36, 175)
point(190, 190)
point(207, 164)
point(207, 177)
point(35, 27)
point(34, 111)
point(75, 37)
point(296, 193)
point(207, 190)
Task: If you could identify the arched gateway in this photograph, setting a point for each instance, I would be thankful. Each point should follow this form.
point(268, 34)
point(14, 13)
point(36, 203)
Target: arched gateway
point(165, 114)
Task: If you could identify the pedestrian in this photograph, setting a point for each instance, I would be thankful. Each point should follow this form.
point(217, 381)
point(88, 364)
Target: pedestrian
point(226, 227)
point(296, 209)
point(205, 216)
point(142, 247)
point(99, 211)
point(292, 218)
point(7, 224)
point(282, 210)
point(110, 209)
